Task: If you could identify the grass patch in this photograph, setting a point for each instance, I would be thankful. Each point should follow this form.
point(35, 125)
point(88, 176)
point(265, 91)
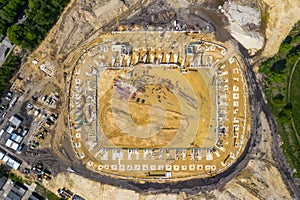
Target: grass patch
point(295, 97)
point(40, 190)
point(45, 193)
point(15, 178)
point(277, 71)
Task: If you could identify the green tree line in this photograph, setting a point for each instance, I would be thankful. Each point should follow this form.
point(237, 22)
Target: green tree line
point(10, 10)
point(41, 16)
point(275, 69)
point(11, 65)
point(276, 72)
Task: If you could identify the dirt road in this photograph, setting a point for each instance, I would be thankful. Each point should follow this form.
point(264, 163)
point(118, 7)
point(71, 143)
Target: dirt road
point(289, 94)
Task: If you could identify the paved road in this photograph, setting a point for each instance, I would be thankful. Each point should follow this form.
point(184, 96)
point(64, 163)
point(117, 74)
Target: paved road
point(278, 155)
point(56, 164)
point(5, 44)
point(194, 186)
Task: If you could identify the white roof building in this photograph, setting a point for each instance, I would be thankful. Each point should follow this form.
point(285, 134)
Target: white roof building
point(15, 121)
point(17, 138)
point(35, 62)
point(24, 133)
point(6, 158)
point(2, 154)
point(10, 129)
point(11, 144)
point(168, 174)
point(1, 132)
point(11, 162)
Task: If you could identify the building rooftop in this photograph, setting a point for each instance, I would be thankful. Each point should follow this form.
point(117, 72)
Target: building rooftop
point(12, 196)
point(77, 197)
point(19, 189)
point(35, 196)
point(17, 138)
point(10, 129)
point(3, 180)
point(25, 131)
point(2, 154)
point(17, 192)
point(11, 144)
point(11, 162)
point(15, 121)
point(1, 132)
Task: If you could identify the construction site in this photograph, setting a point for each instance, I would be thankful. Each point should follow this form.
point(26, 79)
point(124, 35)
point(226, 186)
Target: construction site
point(157, 105)
point(142, 99)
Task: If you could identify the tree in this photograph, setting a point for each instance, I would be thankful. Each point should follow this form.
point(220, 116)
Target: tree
point(296, 39)
point(278, 98)
point(285, 116)
point(285, 47)
point(266, 66)
point(293, 57)
point(9, 12)
point(277, 77)
point(31, 35)
point(287, 40)
point(279, 66)
point(3, 3)
point(3, 27)
point(41, 16)
point(15, 34)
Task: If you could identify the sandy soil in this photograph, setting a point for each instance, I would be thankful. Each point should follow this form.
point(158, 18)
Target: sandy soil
point(92, 190)
point(163, 116)
point(259, 180)
point(281, 16)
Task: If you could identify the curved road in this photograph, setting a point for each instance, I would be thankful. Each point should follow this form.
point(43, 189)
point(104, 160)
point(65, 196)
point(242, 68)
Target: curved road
point(189, 186)
point(277, 153)
point(194, 186)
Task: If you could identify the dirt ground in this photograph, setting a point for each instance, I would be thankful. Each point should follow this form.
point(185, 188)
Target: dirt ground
point(92, 190)
point(281, 16)
point(259, 180)
point(170, 113)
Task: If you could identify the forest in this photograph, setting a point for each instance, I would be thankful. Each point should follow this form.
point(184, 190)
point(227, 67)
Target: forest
point(282, 88)
point(25, 23)
point(40, 16)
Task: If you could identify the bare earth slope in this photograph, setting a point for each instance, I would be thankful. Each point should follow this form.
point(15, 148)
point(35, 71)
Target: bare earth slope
point(281, 16)
point(248, 21)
